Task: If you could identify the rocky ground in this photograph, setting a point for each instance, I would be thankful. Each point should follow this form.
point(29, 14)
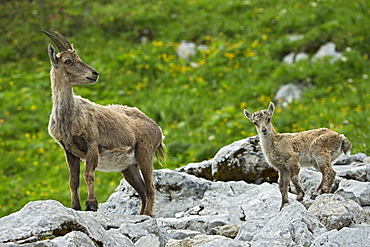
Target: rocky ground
point(230, 200)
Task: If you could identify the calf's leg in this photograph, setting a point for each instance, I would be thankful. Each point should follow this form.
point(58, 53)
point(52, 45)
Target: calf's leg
point(328, 175)
point(294, 175)
point(284, 179)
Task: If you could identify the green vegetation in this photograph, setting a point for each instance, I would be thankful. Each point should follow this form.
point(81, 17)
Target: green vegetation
point(198, 103)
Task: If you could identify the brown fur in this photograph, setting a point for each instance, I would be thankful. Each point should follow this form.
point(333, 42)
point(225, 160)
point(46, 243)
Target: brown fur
point(107, 138)
point(286, 152)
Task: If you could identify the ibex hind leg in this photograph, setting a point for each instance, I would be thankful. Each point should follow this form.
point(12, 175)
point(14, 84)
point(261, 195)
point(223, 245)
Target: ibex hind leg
point(300, 192)
point(133, 177)
point(146, 168)
point(294, 176)
point(328, 176)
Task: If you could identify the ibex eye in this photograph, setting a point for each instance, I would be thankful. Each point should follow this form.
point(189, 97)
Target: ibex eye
point(67, 61)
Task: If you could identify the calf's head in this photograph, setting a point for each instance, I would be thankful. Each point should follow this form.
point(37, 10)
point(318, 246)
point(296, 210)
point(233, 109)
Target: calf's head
point(262, 119)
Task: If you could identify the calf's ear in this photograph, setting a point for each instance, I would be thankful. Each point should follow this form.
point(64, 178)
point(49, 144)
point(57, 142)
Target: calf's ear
point(248, 115)
point(271, 108)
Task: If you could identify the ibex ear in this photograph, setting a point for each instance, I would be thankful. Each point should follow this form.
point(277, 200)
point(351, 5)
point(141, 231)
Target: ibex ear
point(248, 115)
point(52, 56)
point(271, 108)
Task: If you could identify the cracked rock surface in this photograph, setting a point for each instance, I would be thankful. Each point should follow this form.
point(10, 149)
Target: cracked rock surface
point(194, 211)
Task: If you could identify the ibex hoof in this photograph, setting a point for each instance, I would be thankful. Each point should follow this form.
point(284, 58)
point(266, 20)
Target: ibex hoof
point(300, 199)
point(148, 213)
point(283, 204)
point(313, 197)
point(91, 206)
point(77, 208)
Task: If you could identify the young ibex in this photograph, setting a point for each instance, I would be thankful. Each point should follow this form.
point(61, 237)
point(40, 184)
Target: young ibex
point(107, 138)
point(286, 152)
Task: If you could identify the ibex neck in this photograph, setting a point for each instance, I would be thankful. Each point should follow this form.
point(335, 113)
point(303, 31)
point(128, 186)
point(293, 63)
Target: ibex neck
point(268, 139)
point(62, 98)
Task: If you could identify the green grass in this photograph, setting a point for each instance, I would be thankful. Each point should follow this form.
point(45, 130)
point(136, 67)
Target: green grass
point(199, 109)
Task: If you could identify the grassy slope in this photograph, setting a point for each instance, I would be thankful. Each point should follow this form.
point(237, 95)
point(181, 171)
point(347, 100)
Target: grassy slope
point(199, 109)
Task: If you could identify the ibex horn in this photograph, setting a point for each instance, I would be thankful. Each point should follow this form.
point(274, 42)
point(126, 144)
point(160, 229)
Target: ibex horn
point(65, 41)
point(57, 42)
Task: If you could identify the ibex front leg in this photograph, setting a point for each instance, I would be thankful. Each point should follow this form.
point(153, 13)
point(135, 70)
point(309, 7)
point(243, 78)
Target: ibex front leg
point(74, 179)
point(92, 160)
point(284, 180)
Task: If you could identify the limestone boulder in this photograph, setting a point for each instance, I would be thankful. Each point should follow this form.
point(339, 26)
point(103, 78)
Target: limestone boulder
point(293, 226)
point(49, 223)
point(240, 160)
point(344, 237)
point(336, 212)
point(355, 190)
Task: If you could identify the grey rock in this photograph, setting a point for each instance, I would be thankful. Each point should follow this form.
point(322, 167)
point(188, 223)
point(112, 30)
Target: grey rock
point(229, 231)
point(39, 220)
point(336, 212)
point(148, 240)
point(301, 56)
point(241, 201)
point(72, 239)
point(359, 191)
point(293, 226)
point(186, 49)
point(289, 58)
point(310, 180)
point(178, 191)
point(366, 160)
point(144, 226)
point(251, 228)
point(351, 237)
point(293, 57)
point(356, 171)
point(202, 169)
point(225, 243)
point(194, 211)
point(242, 164)
point(181, 234)
point(327, 50)
point(124, 201)
point(288, 92)
point(204, 224)
point(240, 160)
point(294, 37)
point(185, 202)
point(344, 159)
point(49, 223)
point(196, 241)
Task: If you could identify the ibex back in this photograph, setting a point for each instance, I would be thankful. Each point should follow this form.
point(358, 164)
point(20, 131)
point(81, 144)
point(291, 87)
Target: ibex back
point(106, 138)
point(286, 152)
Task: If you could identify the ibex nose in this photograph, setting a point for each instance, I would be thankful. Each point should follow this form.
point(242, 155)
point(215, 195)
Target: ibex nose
point(93, 78)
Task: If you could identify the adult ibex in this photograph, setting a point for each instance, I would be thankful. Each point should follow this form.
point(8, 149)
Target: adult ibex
point(107, 138)
point(287, 151)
